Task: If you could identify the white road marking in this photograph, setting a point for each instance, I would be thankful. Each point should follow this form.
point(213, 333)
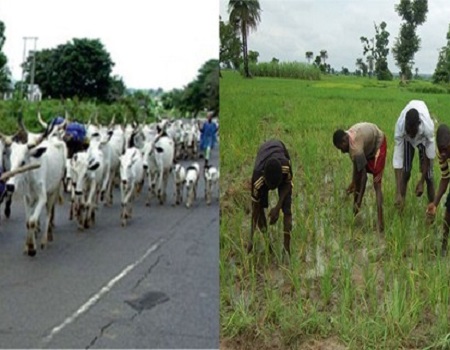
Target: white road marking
point(96, 297)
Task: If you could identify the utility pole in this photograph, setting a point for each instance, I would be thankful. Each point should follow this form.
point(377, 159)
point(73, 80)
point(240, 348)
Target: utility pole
point(33, 66)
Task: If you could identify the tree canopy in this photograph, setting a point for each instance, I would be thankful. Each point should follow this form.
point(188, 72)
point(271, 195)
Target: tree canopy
point(230, 46)
point(200, 94)
point(81, 67)
point(413, 12)
point(5, 74)
point(377, 49)
point(244, 15)
point(442, 71)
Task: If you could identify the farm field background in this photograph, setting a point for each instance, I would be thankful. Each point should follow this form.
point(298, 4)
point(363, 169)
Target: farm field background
point(345, 286)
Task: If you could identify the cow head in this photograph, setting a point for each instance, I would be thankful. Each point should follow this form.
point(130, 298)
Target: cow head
point(127, 162)
point(82, 165)
point(23, 154)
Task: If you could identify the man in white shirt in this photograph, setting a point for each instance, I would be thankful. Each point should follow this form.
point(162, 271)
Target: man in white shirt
point(414, 128)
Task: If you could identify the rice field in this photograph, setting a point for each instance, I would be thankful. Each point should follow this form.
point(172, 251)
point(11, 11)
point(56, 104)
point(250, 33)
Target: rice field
point(345, 285)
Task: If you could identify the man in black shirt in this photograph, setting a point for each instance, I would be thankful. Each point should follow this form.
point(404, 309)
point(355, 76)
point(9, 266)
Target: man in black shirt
point(272, 170)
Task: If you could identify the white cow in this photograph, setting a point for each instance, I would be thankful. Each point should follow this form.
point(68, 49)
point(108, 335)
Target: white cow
point(192, 177)
point(39, 187)
point(179, 179)
point(116, 145)
point(158, 161)
point(131, 180)
point(88, 172)
point(191, 140)
point(211, 176)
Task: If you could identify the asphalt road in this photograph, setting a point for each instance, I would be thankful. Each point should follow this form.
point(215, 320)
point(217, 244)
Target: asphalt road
point(153, 284)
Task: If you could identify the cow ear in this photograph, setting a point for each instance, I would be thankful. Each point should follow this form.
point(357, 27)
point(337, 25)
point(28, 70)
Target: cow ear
point(94, 166)
point(37, 153)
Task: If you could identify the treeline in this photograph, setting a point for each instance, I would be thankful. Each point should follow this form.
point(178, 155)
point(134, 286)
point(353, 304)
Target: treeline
point(81, 70)
point(244, 16)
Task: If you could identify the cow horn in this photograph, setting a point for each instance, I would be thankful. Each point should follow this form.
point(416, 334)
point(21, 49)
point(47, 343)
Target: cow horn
point(96, 119)
point(7, 140)
point(113, 120)
point(41, 121)
point(20, 121)
point(66, 115)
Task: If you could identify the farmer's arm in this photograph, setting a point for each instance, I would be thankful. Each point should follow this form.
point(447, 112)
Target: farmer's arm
point(443, 184)
point(359, 179)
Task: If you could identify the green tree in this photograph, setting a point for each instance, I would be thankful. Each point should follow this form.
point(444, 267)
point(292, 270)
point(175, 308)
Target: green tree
point(253, 56)
point(318, 63)
point(442, 71)
point(230, 46)
point(378, 49)
point(370, 65)
point(275, 60)
point(201, 93)
point(309, 55)
point(324, 56)
point(81, 67)
point(244, 15)
point(362, 66)
point(5, 73)
point(413, 13)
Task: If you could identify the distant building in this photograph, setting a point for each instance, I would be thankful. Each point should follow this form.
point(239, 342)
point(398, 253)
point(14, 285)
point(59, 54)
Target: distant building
point(34, 93)
point(8, 93)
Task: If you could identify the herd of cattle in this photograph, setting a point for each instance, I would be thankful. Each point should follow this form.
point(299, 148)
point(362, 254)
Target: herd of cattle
point(49, 163)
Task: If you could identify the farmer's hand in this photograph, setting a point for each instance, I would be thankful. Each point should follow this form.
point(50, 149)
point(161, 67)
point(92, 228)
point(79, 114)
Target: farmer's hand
point(431, 210)
point(399, 201)
point(355, 209)
point(350, 188)
point(419, 189)
point(273, 215)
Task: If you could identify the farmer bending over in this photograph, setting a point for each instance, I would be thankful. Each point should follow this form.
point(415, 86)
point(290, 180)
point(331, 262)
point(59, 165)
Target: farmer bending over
point(443, 144)
point(366, 145)
point(414, 128)
point(272, 171)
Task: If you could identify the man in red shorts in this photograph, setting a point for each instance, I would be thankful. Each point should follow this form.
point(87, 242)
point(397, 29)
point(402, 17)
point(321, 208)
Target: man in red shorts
point(366, 145)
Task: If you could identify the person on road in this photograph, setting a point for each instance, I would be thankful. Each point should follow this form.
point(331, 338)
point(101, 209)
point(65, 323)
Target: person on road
point(414, 129)
point(272, 171)
point(208, 137)
point(366, 145)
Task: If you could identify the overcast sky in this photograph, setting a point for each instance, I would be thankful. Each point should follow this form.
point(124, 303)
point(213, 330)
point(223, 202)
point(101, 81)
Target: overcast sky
point(289, 28)
point(152, 43)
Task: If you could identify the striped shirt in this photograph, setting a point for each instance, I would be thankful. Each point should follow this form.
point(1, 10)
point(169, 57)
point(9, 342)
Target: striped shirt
point(276, 149)
point(443, 165)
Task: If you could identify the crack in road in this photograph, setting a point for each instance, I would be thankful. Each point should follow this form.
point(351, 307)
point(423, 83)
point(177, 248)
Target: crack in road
point(148, 272)
point(102, 330)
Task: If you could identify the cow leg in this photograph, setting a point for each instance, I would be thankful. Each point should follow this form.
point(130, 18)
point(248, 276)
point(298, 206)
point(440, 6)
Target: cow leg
point(48, 233)
point(151, 188)
point(164, 189)
point(30, 244)
point(208, 197)
point(188, 197)
point(123, 215)
point(33, 223)
point(91, 200)
point(8, 204)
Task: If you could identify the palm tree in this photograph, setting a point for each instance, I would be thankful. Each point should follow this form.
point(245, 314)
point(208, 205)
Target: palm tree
point(244, 15)
point(324, 56)
point(309, 55)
